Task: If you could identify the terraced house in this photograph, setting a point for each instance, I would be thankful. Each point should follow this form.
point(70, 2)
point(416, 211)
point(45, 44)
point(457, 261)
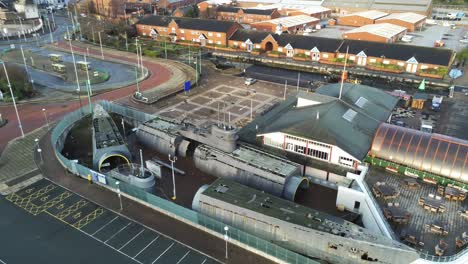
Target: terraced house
point(201, 31)
point(389, 57)
point(245, 16)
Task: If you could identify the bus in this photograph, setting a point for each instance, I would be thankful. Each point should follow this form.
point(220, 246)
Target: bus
point(60, 68)
point(55, 57)
point(84, 65)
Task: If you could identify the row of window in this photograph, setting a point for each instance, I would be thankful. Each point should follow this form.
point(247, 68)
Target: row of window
point(308, 141)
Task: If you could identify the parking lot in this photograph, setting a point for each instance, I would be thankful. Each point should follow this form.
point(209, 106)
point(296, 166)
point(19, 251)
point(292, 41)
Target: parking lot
point(49, 224)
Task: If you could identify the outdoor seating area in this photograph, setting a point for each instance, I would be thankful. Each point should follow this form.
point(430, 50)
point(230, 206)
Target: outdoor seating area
point(432, 203)
point(411, 183)
point(380, 189)
point(462, 241)
point(397, 215)
point(437, 228)
point(420, 214)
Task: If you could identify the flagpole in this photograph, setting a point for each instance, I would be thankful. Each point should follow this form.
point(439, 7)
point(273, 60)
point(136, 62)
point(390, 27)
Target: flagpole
point(343, 74)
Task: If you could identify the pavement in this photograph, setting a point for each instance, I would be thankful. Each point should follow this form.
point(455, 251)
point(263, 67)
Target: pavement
point(45, 216)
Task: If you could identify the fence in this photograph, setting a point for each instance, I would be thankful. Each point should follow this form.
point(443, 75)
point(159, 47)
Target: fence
point(58, 136)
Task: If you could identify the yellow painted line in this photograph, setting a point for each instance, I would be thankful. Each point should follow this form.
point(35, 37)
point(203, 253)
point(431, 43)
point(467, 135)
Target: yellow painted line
point(52, 202)
point(89, 218)
point(71, 209)
point(61, 220)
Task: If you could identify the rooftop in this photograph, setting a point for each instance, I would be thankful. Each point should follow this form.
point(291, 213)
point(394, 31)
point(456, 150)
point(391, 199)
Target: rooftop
point(106, 133)
point(406, 17)
point(255, 11)
point(349, 123)
point(385, 30)
point(290, 212)
point(370, 14)
point(188, 23)
point(403, 5)
point(291, 21)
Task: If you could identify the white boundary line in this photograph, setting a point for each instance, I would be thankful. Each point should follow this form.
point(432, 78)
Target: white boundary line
point(102, 227)
point(3, 262)
point(143, 225)
point(97, 239)
point(183, 257)
point(146, 247)
point(169, 247)
point(132, 238)
point(118, 232)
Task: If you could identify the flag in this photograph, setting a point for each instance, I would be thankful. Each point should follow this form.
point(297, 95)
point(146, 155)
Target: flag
point(422, 85)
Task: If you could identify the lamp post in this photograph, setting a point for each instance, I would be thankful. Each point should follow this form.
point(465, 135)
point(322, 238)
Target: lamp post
point(45, 116)
point(173, 176)
point(40, 154)
point(226, 238)
point(37, 143)
point(119, 195)
point(100, 44)
point(13, 98)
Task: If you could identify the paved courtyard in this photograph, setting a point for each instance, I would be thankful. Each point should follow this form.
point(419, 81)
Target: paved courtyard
point(408, 201)
point(233, 103)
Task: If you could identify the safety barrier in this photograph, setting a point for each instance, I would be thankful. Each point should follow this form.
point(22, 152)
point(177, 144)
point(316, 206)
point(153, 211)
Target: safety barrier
point(58, 136)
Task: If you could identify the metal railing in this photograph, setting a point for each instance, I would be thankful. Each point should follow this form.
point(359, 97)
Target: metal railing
point(58, 136)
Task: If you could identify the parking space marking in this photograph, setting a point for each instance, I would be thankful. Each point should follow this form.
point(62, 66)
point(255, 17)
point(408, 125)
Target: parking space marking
point(146, 247)
point(164, 252)
point(180, 260)
point(3, 262)
point(129, 223)
point(203, 261)
point(88, 218)
point(108, 223)
point(72, 209)
point(128, 242)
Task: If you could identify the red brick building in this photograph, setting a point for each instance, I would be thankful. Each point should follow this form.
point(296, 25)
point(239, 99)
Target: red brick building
point(292, 24)
point(383, 32)
point(410, 21)
point(361, 18)
point(245, 16)
point(202, 31)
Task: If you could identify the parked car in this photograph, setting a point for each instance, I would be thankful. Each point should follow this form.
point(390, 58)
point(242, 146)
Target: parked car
point(407, 38)
point(464, 41)
point(250, 81)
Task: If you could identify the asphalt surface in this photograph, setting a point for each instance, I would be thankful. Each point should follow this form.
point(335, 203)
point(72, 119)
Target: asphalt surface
point(118, 73)
point(186, 234)
point(47, 224)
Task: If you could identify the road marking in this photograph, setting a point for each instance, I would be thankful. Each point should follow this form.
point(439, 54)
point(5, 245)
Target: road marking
point(102, 227)
point(132, 239)
point(118, 232)
point(3, 262)
point(180, 260)
point(163, 252)
point(145, 247)
point(203, 261)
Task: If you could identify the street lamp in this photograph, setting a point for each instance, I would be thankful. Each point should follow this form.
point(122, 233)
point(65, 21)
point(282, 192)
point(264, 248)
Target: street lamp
point(226, 238)
point(45, 116)
point(13, 98)
point(118, 194)
point(40, 154)
point(173, 177)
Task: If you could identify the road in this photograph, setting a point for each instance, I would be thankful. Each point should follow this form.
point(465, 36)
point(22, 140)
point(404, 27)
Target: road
point(31, 120)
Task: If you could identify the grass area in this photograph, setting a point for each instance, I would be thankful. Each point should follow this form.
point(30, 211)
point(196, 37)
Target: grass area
point(20, 85)
point(387, 66)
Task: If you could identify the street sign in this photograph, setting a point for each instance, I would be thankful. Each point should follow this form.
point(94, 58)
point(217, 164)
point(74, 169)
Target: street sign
point(187, 86)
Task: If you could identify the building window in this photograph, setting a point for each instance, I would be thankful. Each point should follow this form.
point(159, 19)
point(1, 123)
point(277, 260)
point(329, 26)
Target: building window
point(352, 58)
point(372, 60)
point(218, 42)
point(182, 31)
point(424, 67)
point(386, 62)
point(346, 161)
point(210, 41)
point(218, 35)
point(210, 34)
point(357, 205)
point(182, 38)
point(325, 55)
